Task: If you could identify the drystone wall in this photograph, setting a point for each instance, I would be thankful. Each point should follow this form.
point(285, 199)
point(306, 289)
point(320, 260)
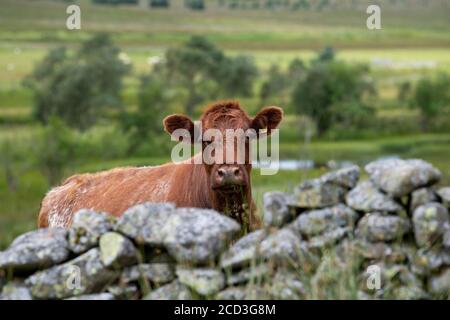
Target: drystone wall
point(334, 237)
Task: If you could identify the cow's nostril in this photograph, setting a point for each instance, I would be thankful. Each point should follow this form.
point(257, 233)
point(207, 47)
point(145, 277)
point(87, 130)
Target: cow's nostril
point(220, 172)
point(236, 172)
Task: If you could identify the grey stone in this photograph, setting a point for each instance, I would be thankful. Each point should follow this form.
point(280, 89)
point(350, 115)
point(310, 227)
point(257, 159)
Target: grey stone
point(243, 293)
point(317, 194)
point(252, 274)
point(331, 273)
point(117, 251)
point(286, 285)
point(312, 223)
point(366, 197)
point(158, 273)
point(15, 291)
point(399, 177)
point(380, 251)
point(400, 283)
point(95, 296)
point(198, 236)
point(379, 227)
point(446, 238)
point(244, 250)
point(276, 209)
point(85, 274)
point(126, 292)
point(281, 246)
point(36, 249)
point(429, 260)
point(420, 197)
point(346, 177)
point(172, 291)
point(144, 222)
point(439, 285)
point(205, 281)
point(86, 229)
point(444, 194)
point(232, 293)
point(329, 238)
point(430, 222)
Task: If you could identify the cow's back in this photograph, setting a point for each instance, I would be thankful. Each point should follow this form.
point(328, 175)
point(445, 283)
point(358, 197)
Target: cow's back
point(110, 191)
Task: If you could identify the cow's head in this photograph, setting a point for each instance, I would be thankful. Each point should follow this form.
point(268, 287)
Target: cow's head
point(229, 179)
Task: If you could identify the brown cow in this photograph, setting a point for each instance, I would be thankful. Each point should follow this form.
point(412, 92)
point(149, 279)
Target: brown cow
point(223, 187)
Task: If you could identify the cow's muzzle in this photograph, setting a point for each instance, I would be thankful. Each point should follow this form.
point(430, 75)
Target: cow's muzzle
point(229, 178)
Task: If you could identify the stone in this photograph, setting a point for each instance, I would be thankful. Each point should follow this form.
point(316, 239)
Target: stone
point(244, 250)
point(172, 291)
point(400, 283)
point(95, 296)
point(367, 198)
point(144, 222)
point(380, 251)
point(427, 261)
point(399, 177)
point(329, 238)
point(232, 293)
point(198, 236)
point(331, 274)
point(156, 273)
point(252, 274)
point(315, 222)
point(204, 281)
point(439, 285)
point(444, 195)
point(83, 275)
point(286, 285)
point(346, 177)
point(15, 291)
point(420, 197)
point(121, 292)
point(282, 246)
point(379, 227)
point(446, 238)
point(317, 193)
point(86, 229)
point(117, 250)
point(36, 249)
point(430, 221)
point(276, 209)
point(243, 293)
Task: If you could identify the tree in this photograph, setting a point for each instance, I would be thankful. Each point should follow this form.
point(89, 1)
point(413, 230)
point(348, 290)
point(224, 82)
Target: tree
point(275, 84)
point(79, 88)
point(203, 70)
point(54, 149)
point(159, 3)
point(145, 124)
point(191, 66)
point(431, 96)
point(194, 4)
point(237, 76)
point(327, 54)
point(333, 92)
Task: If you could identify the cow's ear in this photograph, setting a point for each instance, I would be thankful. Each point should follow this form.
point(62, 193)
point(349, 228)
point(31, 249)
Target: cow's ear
point(268, 118)
point(178, 121)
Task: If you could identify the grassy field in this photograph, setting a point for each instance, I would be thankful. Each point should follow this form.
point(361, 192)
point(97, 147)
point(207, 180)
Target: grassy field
point(413, 41)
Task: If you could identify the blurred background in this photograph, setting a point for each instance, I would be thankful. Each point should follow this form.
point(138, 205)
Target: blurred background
point(92, 99)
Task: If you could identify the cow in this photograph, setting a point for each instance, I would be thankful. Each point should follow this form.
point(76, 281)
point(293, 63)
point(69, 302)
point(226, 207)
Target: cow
point(225, 187)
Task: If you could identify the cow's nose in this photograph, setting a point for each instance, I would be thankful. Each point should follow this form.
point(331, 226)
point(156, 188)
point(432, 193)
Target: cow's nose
point(229, 175)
